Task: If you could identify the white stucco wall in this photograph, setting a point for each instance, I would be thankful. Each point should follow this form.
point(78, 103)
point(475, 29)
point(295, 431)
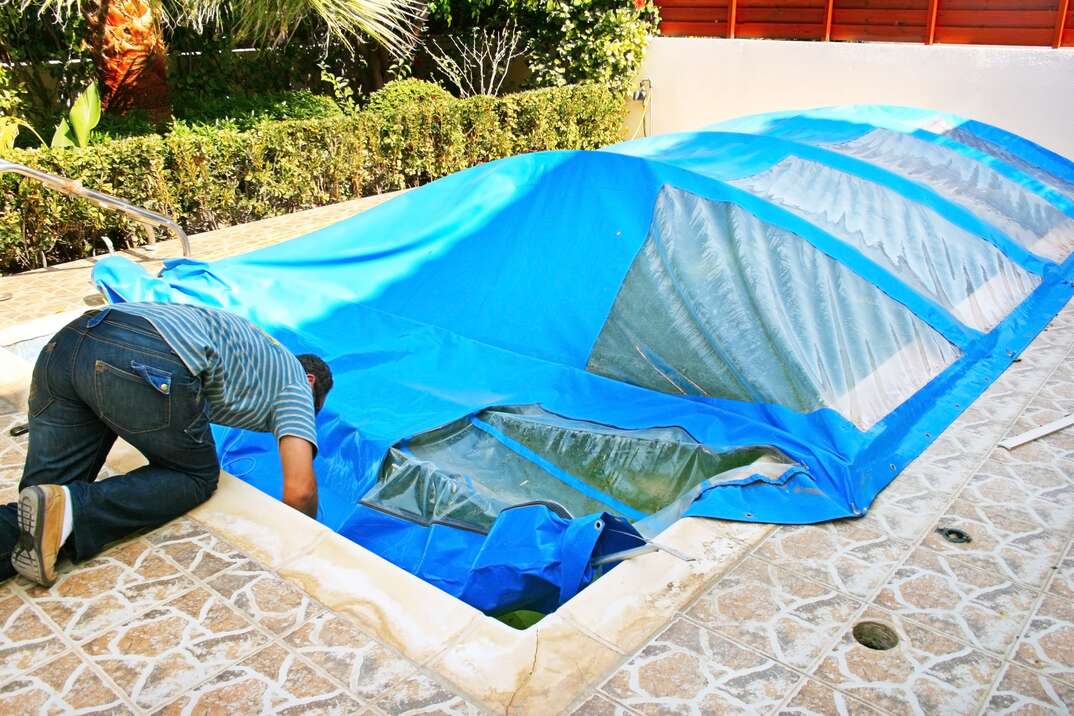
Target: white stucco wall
point(697, 81)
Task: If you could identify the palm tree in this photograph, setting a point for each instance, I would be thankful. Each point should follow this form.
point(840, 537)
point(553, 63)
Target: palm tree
point(127, 45)
point(126, 37)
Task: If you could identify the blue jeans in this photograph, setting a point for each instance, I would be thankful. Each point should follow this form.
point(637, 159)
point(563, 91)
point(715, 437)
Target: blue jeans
point(108, 374)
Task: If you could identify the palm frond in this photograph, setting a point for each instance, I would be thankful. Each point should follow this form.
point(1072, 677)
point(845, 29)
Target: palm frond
point(61, 10)
point(392, 23)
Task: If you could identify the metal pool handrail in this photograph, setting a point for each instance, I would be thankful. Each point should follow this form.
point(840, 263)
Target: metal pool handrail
point(72, 187)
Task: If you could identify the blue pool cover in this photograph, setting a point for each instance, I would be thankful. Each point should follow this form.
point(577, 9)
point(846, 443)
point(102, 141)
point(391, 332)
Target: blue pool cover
point(549, 358)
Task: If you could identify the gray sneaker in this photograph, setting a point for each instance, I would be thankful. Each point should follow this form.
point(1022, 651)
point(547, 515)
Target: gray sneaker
point(40, 520)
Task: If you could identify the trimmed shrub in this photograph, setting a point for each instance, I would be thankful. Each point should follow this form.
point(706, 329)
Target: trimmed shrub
point(210, 177)
point(406, 92)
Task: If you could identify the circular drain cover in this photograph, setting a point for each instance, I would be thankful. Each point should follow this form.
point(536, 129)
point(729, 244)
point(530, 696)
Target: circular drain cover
point(952, 534)
point(875, 635)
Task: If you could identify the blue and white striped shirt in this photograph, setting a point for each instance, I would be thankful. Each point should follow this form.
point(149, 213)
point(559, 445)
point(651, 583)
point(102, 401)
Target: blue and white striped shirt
point(250, 381)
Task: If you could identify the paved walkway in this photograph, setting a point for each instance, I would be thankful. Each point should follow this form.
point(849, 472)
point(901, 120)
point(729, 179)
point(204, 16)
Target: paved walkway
point(177, 621)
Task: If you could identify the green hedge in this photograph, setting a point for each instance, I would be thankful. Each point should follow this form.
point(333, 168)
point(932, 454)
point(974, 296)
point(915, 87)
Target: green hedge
point(220, 177)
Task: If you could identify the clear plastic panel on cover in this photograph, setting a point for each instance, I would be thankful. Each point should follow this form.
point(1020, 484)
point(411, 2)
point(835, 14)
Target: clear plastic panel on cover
point(964, 136)
point(721, 304)
point(422, 491)
point(645, 469)
point(467, 472)
point(963, 273)
point(1027, 218)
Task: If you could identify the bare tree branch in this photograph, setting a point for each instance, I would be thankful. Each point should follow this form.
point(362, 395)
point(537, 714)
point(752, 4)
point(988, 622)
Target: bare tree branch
point(478, 62)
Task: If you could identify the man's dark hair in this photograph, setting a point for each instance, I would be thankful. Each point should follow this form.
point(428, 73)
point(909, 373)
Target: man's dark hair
point(322, 378)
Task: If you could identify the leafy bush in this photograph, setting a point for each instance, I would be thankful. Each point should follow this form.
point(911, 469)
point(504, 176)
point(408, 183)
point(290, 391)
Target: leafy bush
point(209, 177)
point(587, 40)
point(236, 111)
point(570, 40)
point(245, 111)
point(11, 98)
point(407, 93)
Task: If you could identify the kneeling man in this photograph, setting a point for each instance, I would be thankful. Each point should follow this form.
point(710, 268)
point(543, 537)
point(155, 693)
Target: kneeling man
point(156, 375)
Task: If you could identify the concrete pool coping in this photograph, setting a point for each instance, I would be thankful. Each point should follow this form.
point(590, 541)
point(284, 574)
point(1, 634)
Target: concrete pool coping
point(541, 669)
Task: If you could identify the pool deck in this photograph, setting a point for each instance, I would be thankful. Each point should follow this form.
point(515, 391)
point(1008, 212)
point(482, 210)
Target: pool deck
point(179, 620)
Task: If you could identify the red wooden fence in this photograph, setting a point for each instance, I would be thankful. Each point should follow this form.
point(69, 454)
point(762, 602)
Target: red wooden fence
point(987, 22)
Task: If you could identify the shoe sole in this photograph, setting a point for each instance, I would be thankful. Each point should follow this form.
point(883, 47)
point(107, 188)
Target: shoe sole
point(31, 519)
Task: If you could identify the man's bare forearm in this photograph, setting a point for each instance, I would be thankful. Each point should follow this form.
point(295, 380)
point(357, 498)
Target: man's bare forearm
point(305, 502)
point(299, 480)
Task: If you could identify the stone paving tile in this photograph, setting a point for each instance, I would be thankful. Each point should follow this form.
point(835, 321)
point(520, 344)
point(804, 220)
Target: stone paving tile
point(12, 449)
point(1050, 505)
point(7, 406)
point(851, 555)
point(9, 484)
point(983, 423)
point(1047, 643)
point(1002, 542)
point(419, 694)
point(1055, 400)
point(272, 681)
point(785, 616)
point(273, 603)
point(45, 292)
point(929, 478)
point(26, 640)
point(954, 455)
point(816, 699)
point(1021, 691)
point(597, 705)
point(1062, 583)
point(1039, 454)
point(366, 667)
point(109, 589)
point(62, 686)
point(925, 673)
point(687, 668)
point(194, 548)
point(174, 647)
point(1039, 488)
point(1036, 363)
point(982, 608)
point(8, 589)
point(910, 504)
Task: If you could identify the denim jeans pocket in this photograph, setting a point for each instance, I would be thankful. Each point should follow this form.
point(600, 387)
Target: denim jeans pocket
point(40, 393)
point(199, 430)
point(133, 402)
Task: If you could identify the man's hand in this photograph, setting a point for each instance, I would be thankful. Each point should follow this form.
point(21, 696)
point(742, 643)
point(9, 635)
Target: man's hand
point(299, 482)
